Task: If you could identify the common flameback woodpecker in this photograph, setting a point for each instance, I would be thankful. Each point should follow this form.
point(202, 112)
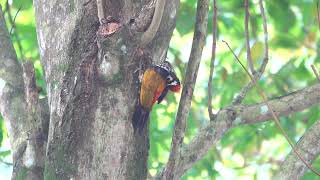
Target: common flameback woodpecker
point(155, 84)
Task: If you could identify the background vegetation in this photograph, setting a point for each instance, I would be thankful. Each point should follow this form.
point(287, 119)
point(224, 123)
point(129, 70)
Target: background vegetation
point(246, 152)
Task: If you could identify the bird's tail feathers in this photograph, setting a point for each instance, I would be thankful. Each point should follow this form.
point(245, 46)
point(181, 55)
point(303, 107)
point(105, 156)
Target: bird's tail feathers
point(140, 118)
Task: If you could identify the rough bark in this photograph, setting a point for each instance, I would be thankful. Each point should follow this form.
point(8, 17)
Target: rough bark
point(25, 116)
point(92, 88)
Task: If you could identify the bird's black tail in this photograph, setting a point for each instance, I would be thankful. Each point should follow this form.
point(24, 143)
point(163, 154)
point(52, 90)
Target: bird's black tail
point(140, 118)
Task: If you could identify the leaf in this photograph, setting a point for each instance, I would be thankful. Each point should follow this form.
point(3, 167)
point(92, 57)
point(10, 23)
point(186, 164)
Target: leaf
point(282, 14)
point(5, 153)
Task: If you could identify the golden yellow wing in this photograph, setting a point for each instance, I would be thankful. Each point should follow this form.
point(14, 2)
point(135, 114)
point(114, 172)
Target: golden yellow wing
point(152, 86)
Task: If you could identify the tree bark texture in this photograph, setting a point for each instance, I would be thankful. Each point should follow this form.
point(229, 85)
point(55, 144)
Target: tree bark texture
point(92, 88)
point(25, 116)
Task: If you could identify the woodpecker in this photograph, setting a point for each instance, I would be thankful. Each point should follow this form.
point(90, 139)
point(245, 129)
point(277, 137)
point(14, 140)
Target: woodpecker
point(155, 84)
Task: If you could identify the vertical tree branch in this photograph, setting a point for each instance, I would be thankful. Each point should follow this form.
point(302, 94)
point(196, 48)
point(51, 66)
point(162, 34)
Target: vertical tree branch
point(265, 33)
point(11, 83)
point(246, 29)
point(263, 66)
point(36, 127)
point(213, 57)
point(187, 91)
point(23, 116)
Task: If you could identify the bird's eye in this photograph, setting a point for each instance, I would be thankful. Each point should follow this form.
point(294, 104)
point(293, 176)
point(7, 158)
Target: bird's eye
point(169, 78)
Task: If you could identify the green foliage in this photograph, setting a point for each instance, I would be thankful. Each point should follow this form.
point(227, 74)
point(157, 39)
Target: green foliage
point(248, 151)
point(2, 130)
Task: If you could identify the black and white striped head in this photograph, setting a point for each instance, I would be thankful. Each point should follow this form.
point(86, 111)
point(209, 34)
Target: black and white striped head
point(165, 65)
point(172, 81)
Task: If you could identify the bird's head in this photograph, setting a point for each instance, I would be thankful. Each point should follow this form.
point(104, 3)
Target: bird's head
point(172, 81)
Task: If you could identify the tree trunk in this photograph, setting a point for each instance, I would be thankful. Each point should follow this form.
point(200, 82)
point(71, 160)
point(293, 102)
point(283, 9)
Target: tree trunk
point(92, 87)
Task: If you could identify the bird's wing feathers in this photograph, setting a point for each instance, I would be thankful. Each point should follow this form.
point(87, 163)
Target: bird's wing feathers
point(163, 95)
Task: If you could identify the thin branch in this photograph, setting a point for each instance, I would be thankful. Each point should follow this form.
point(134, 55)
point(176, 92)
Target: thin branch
point(15, 34)
point(149, 34)
point(275, 117)
point(5, 162)
point(265, 32)
point(14, 20)
point(309, 146)
point(234, 54)
point(246, 29)
point(187, 91)
point(315, 72)
point(213, 57)
point(263, 66)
